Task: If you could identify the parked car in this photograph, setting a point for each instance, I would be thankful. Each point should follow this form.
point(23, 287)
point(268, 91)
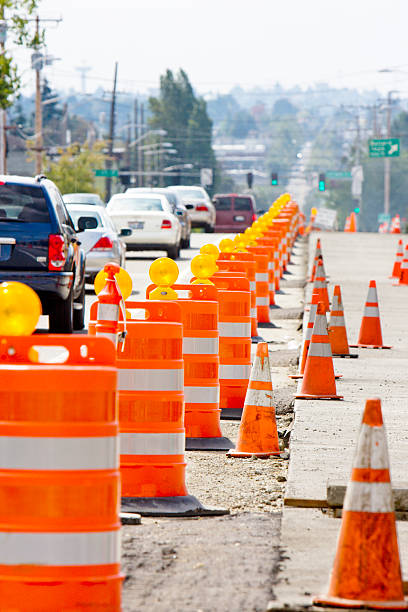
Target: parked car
point(100, 243)
point(178, 209)
point(235, 212)
point(39, 246)
point(149, 217)
point(83, 198)
point(198, 204)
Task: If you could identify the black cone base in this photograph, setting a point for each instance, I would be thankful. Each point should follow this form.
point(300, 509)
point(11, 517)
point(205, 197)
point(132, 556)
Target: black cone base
point(208, 444)
point(266, 325)
point(182, 505)
point(256, 339)
point(233, 414)
point(349, 356)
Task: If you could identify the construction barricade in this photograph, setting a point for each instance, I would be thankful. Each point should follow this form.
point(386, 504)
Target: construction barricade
point(266, 251)
point(199, 315)
point(235, 342)
point(59, 474)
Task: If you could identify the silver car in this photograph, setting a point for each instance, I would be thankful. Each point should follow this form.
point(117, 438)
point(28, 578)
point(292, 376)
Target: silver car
point(101, 243)
point(199, 206)
point(83, 198)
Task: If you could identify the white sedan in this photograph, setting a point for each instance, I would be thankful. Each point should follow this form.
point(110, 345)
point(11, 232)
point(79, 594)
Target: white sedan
point(145, 222)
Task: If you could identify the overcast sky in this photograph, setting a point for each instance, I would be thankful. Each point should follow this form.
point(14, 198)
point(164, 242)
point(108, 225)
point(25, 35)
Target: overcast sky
point(222, 43)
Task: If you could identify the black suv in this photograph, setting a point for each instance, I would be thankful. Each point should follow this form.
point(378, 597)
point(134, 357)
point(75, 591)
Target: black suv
point(39, 247)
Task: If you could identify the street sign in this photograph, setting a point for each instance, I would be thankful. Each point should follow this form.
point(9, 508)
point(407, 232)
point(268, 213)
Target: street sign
point(383, 218)
point(384, 147)
point(107, 172)
point(206, 177)
point(325, 218)
point(338, 174)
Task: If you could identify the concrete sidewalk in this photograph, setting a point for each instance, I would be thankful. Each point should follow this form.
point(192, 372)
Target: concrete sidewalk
point(324, 434)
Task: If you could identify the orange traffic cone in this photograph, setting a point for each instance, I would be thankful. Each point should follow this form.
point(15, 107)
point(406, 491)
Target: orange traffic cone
point(318, 379)
point(318, 253)
point(337, 328)
point(347, 225)
point(320, 284)
point(366, 571)
point(308, 335)
point(403, 275)
point(396, 271)
point(258, 434)
point(370, 331)
point(352, 222)
point(396, 225)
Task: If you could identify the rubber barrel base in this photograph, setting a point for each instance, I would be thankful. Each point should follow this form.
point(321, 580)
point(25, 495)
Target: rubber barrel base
point(181, 505)
point(347, 356)
point(339, 602)
point(234, 414)
point(319, 397)
point(370, 346)
point(208, 444)
point(267, 325)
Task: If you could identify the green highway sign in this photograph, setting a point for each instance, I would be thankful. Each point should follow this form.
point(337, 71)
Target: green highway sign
point(384, 147)
point(108, 172)
point(383, 218)
point(338, 174)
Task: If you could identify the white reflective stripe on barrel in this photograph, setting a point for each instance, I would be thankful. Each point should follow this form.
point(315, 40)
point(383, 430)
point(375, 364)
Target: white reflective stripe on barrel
point(319, 349)
point(369, 497)
point(200, 346)
point(253, 313)
point(31, 453)
point(262, 301)
point(59, 549)
point(112, 337)
point(261, 277)
point(234, 330)
point(152, 443)
point(150, 380)
point(271, 265)
point(404, 264)
point(201, 395)
point(108, 312)
point(371, 311)
point(236, 371)
point(252, 286)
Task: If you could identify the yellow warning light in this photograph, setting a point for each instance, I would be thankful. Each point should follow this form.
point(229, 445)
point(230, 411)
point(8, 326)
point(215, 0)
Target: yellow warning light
point(313, 212)
point(226, 245)
point(122, 278)
point(20, 309)
point(163, 273)
point(210, 249)
point(238, 238)
point(202, 267)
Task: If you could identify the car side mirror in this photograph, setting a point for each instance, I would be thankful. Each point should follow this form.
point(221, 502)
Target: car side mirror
point(125, 232)
point(179, 212)
point(87, 223)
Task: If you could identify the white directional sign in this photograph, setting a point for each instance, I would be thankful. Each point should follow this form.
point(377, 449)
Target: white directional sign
point(325, 219)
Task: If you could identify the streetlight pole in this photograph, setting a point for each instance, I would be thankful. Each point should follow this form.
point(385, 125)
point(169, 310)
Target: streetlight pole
point(387, 161)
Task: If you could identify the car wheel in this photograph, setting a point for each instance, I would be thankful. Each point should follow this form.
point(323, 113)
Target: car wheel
point(185, 243)
point(209, 229)
point(61, 316)
point(173, 252)
point(79, 311)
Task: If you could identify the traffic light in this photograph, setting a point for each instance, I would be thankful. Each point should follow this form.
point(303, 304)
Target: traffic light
point(322, 182)
point(274, 178)
point(250, 179)
point(356, 210)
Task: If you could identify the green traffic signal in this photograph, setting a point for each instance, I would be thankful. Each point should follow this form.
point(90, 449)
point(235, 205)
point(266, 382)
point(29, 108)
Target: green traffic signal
point(322, 182)
point(356, 210)
point(274, 178)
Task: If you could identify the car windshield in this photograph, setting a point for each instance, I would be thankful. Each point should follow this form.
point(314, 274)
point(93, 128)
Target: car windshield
point(195, 194)
point(76, 214)
point(134, 204)
point(171, 198)
point(82, 198)
point(23, 203)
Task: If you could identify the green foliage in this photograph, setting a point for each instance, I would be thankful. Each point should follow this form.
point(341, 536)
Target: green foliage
point(16, 13)
point(283, 108)
point(185, 119)
point(74, 169)
point(240, 124)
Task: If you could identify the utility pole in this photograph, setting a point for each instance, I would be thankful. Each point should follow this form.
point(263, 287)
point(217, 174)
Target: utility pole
point(135, 163)
point(38, 109)
point(3, 115)
point(387, 161)
point(140, 154)
point(111, 136)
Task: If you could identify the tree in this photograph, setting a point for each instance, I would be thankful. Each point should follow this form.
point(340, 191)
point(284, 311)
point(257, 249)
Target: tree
point(283, 107)
point(16, 13)
point(185, 119)
point(50, 109)
point(74, 169)
point(240, 124)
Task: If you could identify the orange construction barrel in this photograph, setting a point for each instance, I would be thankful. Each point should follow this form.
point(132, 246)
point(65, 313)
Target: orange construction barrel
point(59, 474)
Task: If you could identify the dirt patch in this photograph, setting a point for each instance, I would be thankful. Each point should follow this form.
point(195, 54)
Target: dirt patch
point(201, 565)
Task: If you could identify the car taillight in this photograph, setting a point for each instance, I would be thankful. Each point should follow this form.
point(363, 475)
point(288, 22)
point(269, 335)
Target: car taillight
point(166, 224)
point(253, 217)
point(103, 244)
point(202, 208)
point(56, 252)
